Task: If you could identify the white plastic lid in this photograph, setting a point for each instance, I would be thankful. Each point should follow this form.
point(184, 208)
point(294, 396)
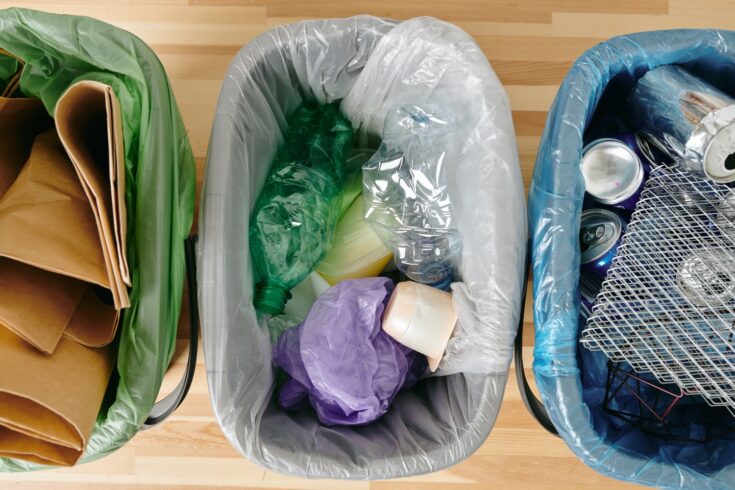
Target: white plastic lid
point(422, 318)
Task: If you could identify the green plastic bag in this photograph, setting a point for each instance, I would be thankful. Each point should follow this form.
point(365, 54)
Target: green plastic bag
point(59, 50)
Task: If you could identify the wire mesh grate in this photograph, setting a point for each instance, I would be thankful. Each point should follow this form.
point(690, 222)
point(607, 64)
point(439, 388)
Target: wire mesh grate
point(667, 305)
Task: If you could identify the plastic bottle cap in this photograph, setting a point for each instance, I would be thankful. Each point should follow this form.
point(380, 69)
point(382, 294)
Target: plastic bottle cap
point(271, 298)
point(422, 318)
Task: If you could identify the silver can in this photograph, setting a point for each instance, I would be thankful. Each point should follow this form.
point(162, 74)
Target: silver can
point(687, 118)
point(707, 277)
point(613, 173)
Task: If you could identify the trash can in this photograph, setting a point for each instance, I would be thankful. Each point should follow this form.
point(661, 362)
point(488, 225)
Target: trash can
point(574, 382)
point(443, 419)
point(57, 51)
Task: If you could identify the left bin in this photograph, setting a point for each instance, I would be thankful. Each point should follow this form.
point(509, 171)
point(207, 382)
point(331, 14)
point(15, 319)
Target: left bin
point(141, 226)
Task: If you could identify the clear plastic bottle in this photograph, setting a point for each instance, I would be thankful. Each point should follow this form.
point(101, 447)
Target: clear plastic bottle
point(406, 193)
point(293, 221)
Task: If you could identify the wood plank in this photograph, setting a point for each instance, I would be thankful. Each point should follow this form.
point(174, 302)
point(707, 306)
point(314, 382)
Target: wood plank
point(513, 72)
point(610, 25)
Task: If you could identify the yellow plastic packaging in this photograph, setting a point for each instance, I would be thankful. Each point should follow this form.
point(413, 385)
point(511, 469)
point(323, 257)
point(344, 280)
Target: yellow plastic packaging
point(356, 250)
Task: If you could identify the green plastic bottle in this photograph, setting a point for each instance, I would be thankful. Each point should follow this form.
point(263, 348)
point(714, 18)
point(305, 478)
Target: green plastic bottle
point(293, 221)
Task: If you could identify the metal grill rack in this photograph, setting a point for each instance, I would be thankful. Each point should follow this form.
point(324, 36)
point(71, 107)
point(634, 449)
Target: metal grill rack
point(662, 410)
point(667, 305)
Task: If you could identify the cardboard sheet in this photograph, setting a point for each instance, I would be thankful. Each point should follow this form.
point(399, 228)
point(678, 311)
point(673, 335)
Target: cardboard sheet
point(89, 123)
point(64, 217)
point(21, 120)
point(63, 267)
point(48, 230)
point(49, 420)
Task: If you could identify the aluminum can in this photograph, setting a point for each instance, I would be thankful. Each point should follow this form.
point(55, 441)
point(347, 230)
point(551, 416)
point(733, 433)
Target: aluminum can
point(613, 173)
point(601, 232)
point(687, 118)
point(707, 277)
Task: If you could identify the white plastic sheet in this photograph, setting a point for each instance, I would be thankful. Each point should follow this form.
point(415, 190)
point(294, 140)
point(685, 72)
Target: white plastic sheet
point(444, 419)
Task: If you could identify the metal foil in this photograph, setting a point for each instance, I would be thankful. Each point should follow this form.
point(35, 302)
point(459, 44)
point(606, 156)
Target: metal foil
point(688, 119)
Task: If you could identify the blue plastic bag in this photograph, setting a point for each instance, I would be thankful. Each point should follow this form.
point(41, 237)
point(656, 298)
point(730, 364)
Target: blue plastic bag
point(571, 380)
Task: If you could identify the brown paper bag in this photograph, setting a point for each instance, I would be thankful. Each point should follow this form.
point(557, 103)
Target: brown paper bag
point(48, 230)
point(49, 404)
point(89, 123)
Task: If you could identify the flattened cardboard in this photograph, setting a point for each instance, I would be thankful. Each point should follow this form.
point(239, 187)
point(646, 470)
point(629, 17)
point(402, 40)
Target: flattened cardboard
point(89, 123)
point(46, 219)
point(94, 322)
point(37, 305)
point(70, 307)
point(49, 231)
point(21, 120)
point(50, 419)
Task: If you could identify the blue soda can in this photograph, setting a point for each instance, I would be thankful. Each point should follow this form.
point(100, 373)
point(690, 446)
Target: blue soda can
point(613, 173)
point(600, 234)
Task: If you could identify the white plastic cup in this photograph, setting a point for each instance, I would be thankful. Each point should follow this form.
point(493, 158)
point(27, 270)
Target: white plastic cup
point(422, 318)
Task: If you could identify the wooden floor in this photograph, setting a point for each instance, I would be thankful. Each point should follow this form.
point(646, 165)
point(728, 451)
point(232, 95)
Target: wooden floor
point(531, 44)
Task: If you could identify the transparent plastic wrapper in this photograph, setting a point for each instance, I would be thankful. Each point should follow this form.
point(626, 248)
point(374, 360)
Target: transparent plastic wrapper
point(570, 379)
point(442, 420)
point(406, 194)
point(341, 360)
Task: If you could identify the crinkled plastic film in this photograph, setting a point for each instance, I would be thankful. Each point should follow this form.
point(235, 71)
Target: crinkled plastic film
point(406, 196)
point(572, 381)
point(444, 419)
point(59, 50)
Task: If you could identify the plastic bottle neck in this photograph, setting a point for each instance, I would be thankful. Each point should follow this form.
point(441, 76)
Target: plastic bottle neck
point(271, 298)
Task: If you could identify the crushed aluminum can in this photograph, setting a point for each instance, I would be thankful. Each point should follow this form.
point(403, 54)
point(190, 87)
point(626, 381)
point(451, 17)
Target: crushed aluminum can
point(600, 235)
point(707, 277)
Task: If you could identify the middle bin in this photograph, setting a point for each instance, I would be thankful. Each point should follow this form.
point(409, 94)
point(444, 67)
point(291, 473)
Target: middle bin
point(443, 419)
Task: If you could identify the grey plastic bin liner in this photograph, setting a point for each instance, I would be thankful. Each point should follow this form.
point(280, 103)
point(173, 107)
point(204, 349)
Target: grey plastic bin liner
point(444, 419)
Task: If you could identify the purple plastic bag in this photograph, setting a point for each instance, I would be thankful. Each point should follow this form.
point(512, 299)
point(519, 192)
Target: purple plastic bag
point(339, 359)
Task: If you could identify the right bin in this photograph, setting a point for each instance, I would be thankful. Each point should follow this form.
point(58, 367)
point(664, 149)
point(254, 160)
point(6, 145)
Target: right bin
point(571, 381)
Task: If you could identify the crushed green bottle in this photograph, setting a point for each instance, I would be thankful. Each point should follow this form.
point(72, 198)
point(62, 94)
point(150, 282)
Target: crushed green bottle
point(292, 225)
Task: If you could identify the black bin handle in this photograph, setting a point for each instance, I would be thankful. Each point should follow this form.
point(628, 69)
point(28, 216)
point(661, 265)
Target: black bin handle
point(533, 404)
point(164, 408)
